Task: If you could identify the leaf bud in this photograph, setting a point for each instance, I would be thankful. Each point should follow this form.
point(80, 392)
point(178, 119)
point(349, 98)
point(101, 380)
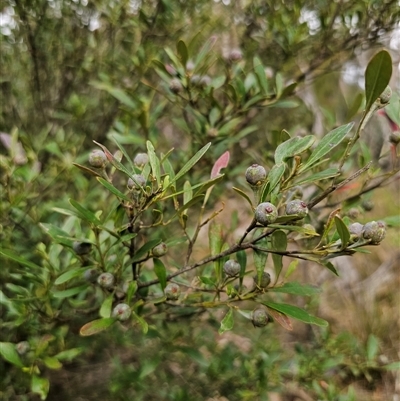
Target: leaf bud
point(266, 213)
point(259, 317)
point(160, 250)
point(106, 280)
point(122, 312)
point(386, 95)
point(231, 268)
point(97, 158)
point(297, 207)
point(172, 291)
point(256, 175)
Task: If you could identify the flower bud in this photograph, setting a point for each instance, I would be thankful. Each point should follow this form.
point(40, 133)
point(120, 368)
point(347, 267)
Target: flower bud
point(256, 175)
point(141, 159)
point(160, 250)
point(122, 312)
point(264, 281)
point(235, 55)
point(231, 268)
point(386, 95)
point(82, 248)
point(266, 213)
point(375, 231)
point(22, 347)
point(138, 182)
point(106, 280)
point(297, 207)
point(97, 158)
point(175, 86)
point(259, 317)
point(355, 231)
point(172, 291)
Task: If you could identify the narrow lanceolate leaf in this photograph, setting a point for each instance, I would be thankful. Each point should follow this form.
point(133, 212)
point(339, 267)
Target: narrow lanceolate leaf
point(69, 275)
point(296, 313)
point(112, 189)
point(11, 255)
point(377, 77)
point(227, 322)
point(260, 74)
point(292, 147)
point(215, 239)
point(105, 309)
point(70, 292)
point(275, 176)
point(245, 196)
point(191, 162)
point(322, 175)
point(188, 192)
point(141, 321)
point(182, 52)
point(10, 354)
point(260, 257)
point(161, 272)
point(96, 326)
point(278, 243)
point(296, 289)
point(85, 213)
point(154, 162)
point(343, 231)
point(327, 143)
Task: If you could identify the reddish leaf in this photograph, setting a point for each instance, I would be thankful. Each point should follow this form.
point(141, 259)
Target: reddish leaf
point(282, 319)
point(221, 163)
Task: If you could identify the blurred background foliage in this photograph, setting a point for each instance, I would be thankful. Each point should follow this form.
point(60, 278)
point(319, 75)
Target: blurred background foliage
point(77, 71)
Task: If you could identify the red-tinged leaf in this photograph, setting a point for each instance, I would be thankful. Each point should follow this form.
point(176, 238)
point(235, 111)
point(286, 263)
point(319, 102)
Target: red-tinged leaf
point(96, 326)
point(280, 318)
point(221, 163)
point(108, 154)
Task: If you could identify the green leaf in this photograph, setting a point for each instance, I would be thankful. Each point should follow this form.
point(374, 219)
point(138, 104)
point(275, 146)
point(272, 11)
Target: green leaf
point(182, 52)
point(70, 292)
point(275, 176)
point(59, 236)
point(299, 229)
point(113, 190)
point(297, 289)
point(293, 147)
point(392, 366)
point(119, 94)
point(154, 162)
point(260, 74)
point(392, 221)
point(227, 322)
point(52, 362)
point(191, 163)
point(10, 255)
point(343, 231)
point(245, 196)
point(330, 267)
point(242, 260)
point(372, 347)
point(296, 313)
point(291, 268)
point(40, 385)
point(196, 199)
point(377, 76)
point(96, 326)
point(327, 143)
point(85, 213)
point(215, 238)
point(322, 175)
point(70, 274)
point(69, 354)
point(105, 309)
point(10, 354)
point(188, 192)
point(260, 257)
point(161, 272)
point(278, 243)
point(132, 288)
point(144, 250)
point(141, 321)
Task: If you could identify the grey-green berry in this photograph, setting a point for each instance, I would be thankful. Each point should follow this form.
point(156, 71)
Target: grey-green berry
point(297, 207)
point(106, 280)
point(122, 312)
point(367, 205)
point(386, 95)
point(22, 347)
point(375, 231)
point(266, 213)
point(355, 231)
point(91, 275)
point(256, 175)
point(175, 86)
point(141, 159)
point(97, 158)
point(235, 55)
point(81, 248)
point(231, 268)
point(259, 317)
point(137, 182)
point(160, 250)
point(353, 213)
point(264, 281)
point(172, 291)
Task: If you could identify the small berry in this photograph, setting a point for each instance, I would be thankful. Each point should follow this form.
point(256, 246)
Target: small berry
point(259, 317)
point(355, 231)
point(231, 268)
point(205, 81)
point(141, 159)
point(190, 66)
point(172, 291)
point(106, 280)
point(266, 213)
point(353, 213)
point(386, 95)
point(81, 248)
point(297, 207)
point(160, 250)
point(22, 347)
point(264, 281)
point(91, 275)
point(138, 182)
point(394, 137)
point(375, 231)
point(367, 205)
point(121, 312)
point(235, 55)
point(175, 86)
point(97, 158)
point(256, 175)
